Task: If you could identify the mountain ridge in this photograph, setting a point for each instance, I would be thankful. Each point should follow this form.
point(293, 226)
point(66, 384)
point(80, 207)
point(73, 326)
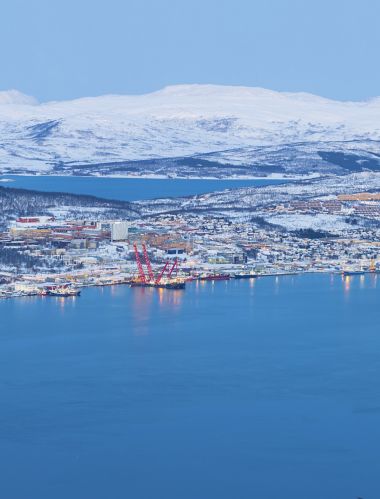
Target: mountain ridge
point(178, 89)
point(182, 121)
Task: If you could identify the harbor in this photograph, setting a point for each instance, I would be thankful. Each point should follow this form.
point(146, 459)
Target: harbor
point(71, 284)
point(237, 234)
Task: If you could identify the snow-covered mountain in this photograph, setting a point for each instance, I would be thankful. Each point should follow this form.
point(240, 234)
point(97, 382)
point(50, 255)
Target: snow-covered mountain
point(190, 130)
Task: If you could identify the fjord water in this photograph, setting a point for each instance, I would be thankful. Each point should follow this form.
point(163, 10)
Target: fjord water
point(129, 189)
point(243, 389)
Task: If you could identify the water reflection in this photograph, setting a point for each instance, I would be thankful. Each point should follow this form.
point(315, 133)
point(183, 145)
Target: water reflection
point(276, 285)
point(170, 298)
point(347, 283)
point(141, 310)
point(362, 282)
point(64, 302)
point(373, 280)
point(145, 302)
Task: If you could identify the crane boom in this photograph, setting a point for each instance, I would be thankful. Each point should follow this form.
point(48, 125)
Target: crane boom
point(158, 280)
point(139, 264)
point(175, 265)
point(148, 264)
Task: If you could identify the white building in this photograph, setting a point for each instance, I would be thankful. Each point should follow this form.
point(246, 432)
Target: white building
point(119, 231)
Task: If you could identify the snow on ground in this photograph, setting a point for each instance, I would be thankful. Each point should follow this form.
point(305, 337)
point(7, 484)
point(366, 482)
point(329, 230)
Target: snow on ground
point(329, 223)
point(180, 120)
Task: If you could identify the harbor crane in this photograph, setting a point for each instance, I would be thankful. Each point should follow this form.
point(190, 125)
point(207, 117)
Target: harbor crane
point(162, 280)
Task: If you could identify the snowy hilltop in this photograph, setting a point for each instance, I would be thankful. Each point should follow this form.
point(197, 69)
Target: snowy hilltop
point(190, 130)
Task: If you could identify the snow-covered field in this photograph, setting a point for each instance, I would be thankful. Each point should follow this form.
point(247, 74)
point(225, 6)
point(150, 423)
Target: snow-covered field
point(324, 222)
point(199, 124)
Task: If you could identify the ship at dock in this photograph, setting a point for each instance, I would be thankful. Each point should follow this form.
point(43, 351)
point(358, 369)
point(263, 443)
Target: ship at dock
point(246, 274)
point(176, 283)
point(63, 291)
point(166, 279)
point(350, 273)
point(353, 270)
point(215, 277)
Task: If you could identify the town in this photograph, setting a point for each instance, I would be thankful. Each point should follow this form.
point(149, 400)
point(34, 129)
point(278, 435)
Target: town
point(210, 237)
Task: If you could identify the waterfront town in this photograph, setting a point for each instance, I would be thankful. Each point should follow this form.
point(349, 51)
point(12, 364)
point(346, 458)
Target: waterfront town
point(209, 237)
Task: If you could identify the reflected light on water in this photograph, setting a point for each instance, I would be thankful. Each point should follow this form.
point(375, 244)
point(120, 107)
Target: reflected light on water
point(347, 283)
point(170, 298)
point(160, 296)
point(362, 281)
point(65, 302)
point(373, 280)
point(141, 310)
point(145, 301)
point(332, 279)
point(276, 285)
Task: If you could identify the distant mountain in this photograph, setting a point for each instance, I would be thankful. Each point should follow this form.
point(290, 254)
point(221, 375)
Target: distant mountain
point(190, 130)
point(16, 98)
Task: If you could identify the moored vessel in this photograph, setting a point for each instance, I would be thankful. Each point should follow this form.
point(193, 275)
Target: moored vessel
point(215, 277)
point(173, 283)
point(348, 273)
point(246, 275)
point(63, 291)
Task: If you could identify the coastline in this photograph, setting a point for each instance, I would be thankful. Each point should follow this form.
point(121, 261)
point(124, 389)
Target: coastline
point(163, 177)
point(112, 280)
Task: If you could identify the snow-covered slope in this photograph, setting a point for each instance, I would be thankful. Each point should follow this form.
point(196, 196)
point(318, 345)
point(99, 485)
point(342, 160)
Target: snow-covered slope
point(188, 129)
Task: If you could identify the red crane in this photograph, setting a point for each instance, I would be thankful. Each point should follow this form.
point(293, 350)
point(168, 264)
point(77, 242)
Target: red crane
point(139, 264)
point(148, 264)
point(158, 280)
point(151, 279)
point(174, 266)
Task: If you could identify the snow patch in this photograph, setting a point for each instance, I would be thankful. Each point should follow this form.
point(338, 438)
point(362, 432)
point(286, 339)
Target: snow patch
point(232, 123)
point(329, 223)
point(16, 98)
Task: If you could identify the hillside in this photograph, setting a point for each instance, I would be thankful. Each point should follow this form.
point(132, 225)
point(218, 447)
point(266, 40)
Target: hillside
point(190, 130)
point(21, 202)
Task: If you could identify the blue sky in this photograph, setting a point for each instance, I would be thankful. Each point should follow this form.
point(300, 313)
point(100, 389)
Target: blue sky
point(55, 49)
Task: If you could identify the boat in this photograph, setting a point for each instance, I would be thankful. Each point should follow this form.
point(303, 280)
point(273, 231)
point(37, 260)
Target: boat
point(176, 283)
point(63, 291)
point(351, 270)
point(173, 284)
point(138, 284)
point(349, 273)
point(246, 275)
point(215, 277)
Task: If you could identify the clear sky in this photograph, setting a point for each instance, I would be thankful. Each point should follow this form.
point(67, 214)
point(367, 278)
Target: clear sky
point(59, 49)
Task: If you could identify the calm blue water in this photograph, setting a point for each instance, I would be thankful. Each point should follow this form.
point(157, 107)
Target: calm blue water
point(128, 189)
point(233, 390)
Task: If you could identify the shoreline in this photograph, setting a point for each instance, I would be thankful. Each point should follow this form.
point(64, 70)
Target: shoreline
point(127, 281)
point(163, 177)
